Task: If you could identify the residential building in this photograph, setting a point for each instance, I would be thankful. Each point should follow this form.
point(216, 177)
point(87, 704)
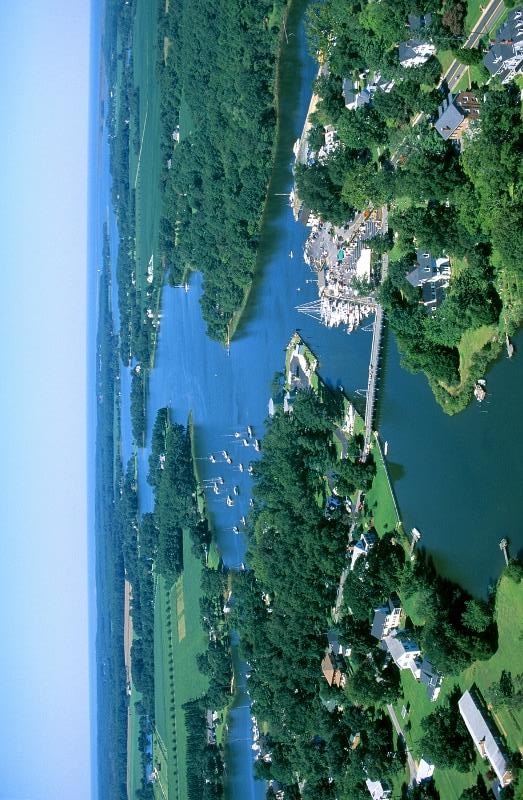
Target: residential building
point(362, 547)
point(505, 57)
point(455, 115)
point(431, 678)
point(432, 275)
point(425, 771)
point(336, 646)
point(415, 52)
point(404, 652)
point(333, 668)
point(387, 618)
point(484, 734)
point(377, 790)
point(356, 95)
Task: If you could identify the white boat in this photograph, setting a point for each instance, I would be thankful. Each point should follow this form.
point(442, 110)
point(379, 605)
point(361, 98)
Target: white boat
point(250, 431)
point(228, 459)
point(237, 434)
point(291, 254)
point(245, 443)
point(240, 467)
point(257, 445)
point(249, 469)
point(243, 520)
point(230, 501)
point(236, 490)
point(219, 480)
point(216, 489)
point(235, 529)
point(251, 502)
point(225, 454)
point(212, 459)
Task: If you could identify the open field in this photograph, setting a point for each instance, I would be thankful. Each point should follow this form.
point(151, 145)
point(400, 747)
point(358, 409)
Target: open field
point(379, 498)
point(474, 12)
point(472, 342)
point(179, 637)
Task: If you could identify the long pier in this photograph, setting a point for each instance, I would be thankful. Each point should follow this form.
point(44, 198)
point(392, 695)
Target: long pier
point(374, 362)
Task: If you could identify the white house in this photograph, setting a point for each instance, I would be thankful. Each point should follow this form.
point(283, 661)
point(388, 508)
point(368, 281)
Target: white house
point(425, 771)
point(377, 791)
point(386, 618)
point(484, 735)
point(362, 547)
point(415, 52)
point(404, 652)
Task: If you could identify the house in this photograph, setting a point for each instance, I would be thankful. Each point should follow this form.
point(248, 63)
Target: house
point(357, 97)
point(455, 115)
point(333, 668)
point(419, 21)
point(425, 771)
point(484, 734)
point(415, 52)
point(505, 57)
point(431, 678)
point(377, 791)
point(432, 275)
point(387, 618)
point(404, 652)
point(362, 547)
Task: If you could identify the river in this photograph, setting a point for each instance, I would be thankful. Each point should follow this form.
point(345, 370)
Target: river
point(457, 479)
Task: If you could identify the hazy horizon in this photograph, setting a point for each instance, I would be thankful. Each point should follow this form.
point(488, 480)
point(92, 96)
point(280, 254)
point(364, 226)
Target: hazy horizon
point(44, 668)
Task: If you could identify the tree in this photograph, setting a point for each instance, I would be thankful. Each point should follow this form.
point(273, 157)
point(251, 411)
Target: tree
point(446, 740)
point(477, 616)
point(467, 55)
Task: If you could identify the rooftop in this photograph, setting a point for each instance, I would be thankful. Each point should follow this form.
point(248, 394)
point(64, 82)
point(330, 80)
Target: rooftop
point(484, 735)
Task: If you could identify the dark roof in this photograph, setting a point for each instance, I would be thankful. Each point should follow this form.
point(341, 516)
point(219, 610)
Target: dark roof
point(508, 47)
point(449, 119)
point(378, 623)
point(417, 21)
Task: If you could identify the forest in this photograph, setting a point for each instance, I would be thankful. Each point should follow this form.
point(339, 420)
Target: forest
point(465, 203)
point(218, 111)
point(110, 667)
point(283, 610)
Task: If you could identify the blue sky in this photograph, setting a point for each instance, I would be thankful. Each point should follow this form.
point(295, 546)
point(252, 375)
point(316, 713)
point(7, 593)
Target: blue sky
point(44, 65)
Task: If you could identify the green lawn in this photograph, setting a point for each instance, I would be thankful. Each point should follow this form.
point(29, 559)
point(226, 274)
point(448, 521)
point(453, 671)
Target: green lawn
point(473, 13)
point(185, 119)
point(379, 497)
point(445, 58)
point(179, 637)
point(472, 342)
point(509, 617)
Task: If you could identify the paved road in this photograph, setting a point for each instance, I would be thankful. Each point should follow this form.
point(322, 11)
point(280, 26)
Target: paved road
point(412, 764)
point(488, 19)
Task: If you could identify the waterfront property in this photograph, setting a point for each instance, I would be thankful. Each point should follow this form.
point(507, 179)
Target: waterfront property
point(432, 276)
point(484, 734)
point(387, 618)
point(404, 652)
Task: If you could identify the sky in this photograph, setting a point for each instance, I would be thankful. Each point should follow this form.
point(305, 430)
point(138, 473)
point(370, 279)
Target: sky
point(44, 678)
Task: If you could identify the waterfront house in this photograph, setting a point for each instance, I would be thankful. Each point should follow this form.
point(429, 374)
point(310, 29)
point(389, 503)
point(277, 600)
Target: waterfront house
point(431, 678)
point(386, 618)
point(414, 52)
point(455, 115)
point(484, 734)
point(404, 652)
point(377, 790)
point(362, 547)
point(356, 96)
point(432, 276)
point(504, 60)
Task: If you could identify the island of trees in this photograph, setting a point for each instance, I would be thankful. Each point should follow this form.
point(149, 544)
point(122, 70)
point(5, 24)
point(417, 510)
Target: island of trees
point(463, 202)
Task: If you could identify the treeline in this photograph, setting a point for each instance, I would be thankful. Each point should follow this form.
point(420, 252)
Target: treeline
point(217, 71)
point(204, 765)
point(110, 667)
point(466, 205)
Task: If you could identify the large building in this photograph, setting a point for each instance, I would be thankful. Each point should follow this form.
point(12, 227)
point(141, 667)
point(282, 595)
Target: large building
point(386, 618)
point(415, 52)
point(455, 115)
point(484, 735)
point(505, 57)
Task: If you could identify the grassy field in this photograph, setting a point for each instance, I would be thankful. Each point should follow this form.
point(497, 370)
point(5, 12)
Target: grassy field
point(473, 13)
point(179, 637)
point(472, 341)
point(145, 166)
point(379, 498)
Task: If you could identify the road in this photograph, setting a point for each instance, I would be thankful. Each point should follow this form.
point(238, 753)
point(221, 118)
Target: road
point(412, 764)
point(488, 19)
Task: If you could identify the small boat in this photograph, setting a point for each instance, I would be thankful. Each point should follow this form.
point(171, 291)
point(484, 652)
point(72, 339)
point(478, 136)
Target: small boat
point(291, 254)
point(228, 459)
point(240, 467)
point(225, 454)
point(480, 391)
point(245, 443)
point(243, 520)
point(219, 480)
point(212, 459)
point(249, 469)
point(235, 529)
point(237, 434)
point(251, 502)
point(250, 431)
point(257, 445)
point(230, 501)
point(236, 490)
point(216, 489)
point(385, 448)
